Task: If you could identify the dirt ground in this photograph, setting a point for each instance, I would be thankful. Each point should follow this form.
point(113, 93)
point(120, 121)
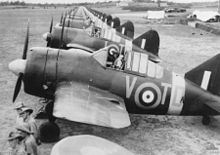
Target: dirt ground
point(181, 49)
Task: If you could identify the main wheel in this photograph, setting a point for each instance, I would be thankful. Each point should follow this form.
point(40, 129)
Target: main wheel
point(206, 120)
point(49, 132)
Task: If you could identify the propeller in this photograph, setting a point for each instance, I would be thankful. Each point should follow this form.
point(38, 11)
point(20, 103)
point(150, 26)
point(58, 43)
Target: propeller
point(62, 31)
point(51, 27)
point(24, 56)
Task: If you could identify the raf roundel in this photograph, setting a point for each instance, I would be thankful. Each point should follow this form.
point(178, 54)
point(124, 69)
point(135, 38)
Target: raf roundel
point(148, 96)
point(113, 50)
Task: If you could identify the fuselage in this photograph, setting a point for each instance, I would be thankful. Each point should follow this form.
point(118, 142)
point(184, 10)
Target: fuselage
point(83, 37)
point(154, 90)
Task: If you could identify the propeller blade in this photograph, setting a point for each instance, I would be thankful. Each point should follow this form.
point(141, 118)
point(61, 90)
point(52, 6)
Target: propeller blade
point(48, 43)
point(20, 76)
point(68, 25)
point(51, 25)
point(26, 43)
point(61, 37)
point(61, 19)
point(17, 87)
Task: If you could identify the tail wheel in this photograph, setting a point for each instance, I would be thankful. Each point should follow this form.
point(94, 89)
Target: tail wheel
point(49, 132)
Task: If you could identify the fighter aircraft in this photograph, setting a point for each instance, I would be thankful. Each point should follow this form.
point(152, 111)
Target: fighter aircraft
point(63, 34)
point(80, 17)
point(80, 30)
point(91, 40)
point(101, 88)
point(92, 32)
point(75, 38)
point(76, 18)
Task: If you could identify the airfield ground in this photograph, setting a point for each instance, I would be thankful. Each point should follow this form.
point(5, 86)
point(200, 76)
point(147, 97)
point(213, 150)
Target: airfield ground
point(181, 49)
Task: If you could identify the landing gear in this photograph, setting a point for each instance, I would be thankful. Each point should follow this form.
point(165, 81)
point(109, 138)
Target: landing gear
point(49, 111)
point(41, 114)
point(206, 120)
point(49, 131)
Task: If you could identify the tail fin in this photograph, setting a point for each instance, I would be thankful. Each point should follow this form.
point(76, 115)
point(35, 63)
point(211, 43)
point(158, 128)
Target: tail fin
point(109, 20)
point(207, 75)
point(104, 16)
point(117, 22)
point(152, 41)
point(129, 29)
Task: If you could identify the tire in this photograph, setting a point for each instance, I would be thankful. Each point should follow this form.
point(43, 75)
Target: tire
point(49, 132)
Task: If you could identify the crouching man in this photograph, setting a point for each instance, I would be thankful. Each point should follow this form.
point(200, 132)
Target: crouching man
point(30, 145)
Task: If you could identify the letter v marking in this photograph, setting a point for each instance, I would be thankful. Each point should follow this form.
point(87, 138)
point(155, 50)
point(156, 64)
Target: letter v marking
point(129, 88)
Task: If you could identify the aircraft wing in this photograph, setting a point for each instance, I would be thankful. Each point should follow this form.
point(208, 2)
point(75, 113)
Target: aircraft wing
point(81, 103)
point(88, 145)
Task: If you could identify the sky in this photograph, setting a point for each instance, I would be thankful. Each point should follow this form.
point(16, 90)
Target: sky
point(80, 1)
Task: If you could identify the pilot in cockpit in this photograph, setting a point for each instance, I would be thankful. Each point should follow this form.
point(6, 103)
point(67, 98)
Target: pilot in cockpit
point(119, 61)
point(96, 32)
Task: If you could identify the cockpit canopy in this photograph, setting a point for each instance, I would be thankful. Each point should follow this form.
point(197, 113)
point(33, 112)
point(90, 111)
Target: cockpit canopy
point(122, 59)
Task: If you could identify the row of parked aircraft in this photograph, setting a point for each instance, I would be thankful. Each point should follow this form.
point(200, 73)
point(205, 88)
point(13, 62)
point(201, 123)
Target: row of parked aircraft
point(94, 71)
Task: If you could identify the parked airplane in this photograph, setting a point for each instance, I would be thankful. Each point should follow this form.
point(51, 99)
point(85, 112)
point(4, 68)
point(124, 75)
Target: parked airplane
point(80, 22)
point(70, 34)
point(90, 39)
point(102, 87)
point(80, 17)
point(77, 18)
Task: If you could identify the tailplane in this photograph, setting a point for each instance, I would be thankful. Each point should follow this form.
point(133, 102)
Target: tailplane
point(207, 75)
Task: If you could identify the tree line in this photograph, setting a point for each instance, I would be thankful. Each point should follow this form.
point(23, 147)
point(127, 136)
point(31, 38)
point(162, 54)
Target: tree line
point(22, 3)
